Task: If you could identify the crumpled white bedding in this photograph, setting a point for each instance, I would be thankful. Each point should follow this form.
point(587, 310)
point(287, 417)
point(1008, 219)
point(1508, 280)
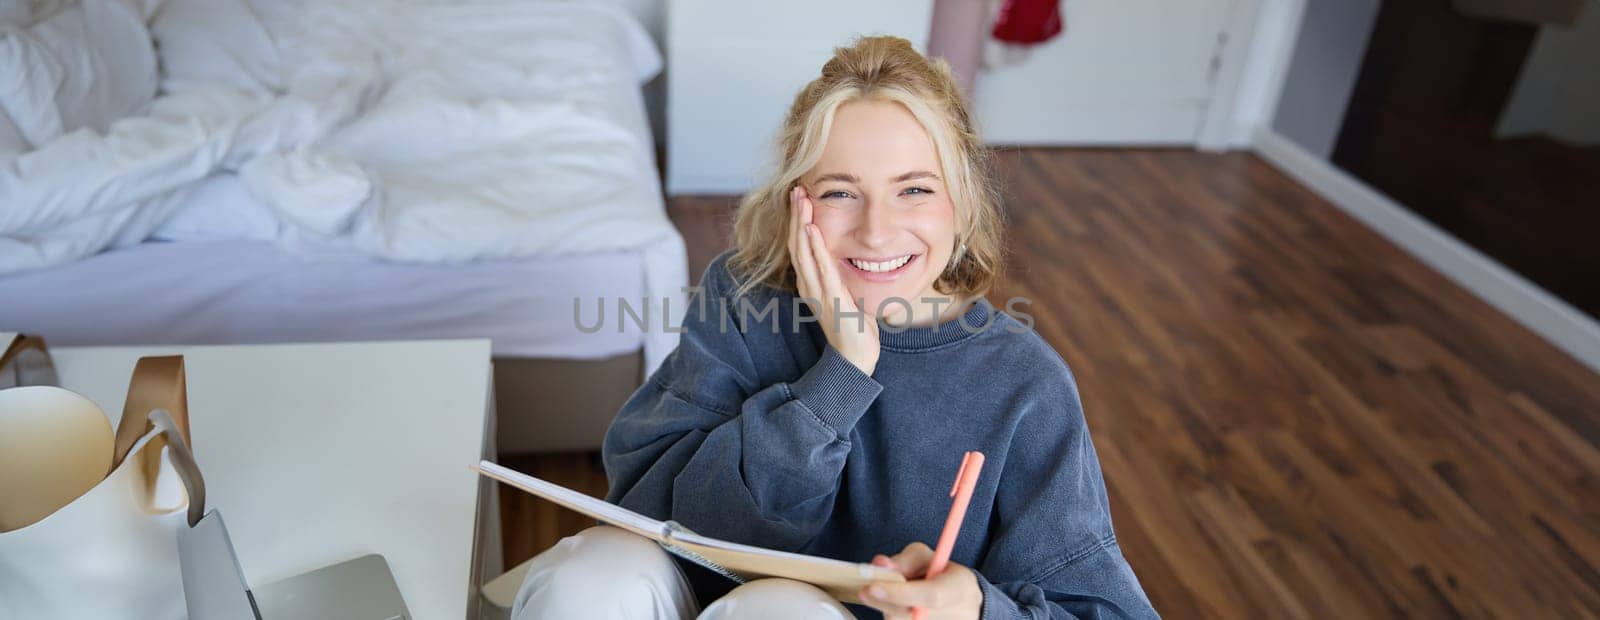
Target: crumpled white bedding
point(408, 130)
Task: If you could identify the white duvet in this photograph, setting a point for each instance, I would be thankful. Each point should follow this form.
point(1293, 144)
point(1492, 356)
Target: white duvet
point(407, 130)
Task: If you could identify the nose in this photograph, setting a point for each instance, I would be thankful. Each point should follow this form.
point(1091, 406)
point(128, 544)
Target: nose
point(876, 227)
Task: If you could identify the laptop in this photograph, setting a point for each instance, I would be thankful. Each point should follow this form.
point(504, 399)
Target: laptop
point(214, 587)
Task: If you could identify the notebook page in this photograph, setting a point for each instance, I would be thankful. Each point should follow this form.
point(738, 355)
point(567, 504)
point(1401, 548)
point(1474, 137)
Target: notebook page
point(690, 538)
point(599, 509)
point(744, 558)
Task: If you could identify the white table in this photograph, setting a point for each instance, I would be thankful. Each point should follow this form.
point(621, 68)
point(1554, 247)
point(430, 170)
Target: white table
point(316, 454)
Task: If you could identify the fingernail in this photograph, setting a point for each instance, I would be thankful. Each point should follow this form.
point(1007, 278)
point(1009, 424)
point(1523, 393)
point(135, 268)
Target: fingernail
point(877, 592)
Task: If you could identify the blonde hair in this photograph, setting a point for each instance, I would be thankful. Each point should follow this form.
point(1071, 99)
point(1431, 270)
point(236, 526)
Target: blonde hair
point(884, 69)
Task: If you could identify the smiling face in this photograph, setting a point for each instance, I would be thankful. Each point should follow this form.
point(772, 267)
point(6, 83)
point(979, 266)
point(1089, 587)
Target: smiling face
point(883, 208)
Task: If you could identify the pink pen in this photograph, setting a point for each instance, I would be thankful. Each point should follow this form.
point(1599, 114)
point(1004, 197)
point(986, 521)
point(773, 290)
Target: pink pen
point(966, 481)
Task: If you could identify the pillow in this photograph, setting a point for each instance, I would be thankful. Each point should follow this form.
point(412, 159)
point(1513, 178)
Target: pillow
point(216, 41)
point(85, 66)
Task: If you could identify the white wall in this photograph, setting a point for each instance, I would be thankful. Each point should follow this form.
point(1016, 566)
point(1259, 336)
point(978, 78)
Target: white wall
point(1558, 91)
point(736, 66)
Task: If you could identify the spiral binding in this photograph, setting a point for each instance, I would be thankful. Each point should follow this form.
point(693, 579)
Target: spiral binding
point(672, 526)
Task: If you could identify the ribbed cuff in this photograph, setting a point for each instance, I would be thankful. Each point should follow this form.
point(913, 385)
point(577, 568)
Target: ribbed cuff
point(997, 605)
point(836, 391)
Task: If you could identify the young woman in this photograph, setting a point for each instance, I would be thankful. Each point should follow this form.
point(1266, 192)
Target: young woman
point(833, 368)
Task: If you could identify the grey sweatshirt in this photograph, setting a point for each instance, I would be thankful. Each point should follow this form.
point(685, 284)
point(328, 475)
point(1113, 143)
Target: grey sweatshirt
point(755, 430)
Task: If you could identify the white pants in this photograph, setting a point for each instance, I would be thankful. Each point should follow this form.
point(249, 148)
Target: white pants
point(606, 572)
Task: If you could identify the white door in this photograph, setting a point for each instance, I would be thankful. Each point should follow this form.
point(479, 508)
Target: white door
point(1120, 72)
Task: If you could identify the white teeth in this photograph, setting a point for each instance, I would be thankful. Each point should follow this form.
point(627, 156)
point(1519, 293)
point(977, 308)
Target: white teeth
point(881, 267)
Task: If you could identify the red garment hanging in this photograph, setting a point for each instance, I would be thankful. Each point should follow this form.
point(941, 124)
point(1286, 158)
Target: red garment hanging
point(1028, 21)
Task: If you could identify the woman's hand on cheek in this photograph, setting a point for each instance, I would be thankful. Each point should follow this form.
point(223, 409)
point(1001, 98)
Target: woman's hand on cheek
point(953, 594)
point(848, 329)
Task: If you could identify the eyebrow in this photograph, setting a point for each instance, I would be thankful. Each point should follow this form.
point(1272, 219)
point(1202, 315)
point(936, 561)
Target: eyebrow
point(850, 178)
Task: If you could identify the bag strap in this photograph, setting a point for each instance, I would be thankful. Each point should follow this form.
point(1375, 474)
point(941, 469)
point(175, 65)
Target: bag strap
point(183, 462)
point(158, 398)
point(157, 383)
point(26, 361)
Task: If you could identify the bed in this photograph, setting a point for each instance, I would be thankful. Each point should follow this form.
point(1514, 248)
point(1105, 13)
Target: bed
point(417, 257)
point(559, 377)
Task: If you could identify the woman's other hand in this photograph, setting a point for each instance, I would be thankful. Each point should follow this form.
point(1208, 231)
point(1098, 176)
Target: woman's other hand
point(953, 594)
point(855, 334)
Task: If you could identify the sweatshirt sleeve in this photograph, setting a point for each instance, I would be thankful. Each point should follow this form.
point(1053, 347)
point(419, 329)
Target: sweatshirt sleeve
point(1055, 554)
point(702, 444)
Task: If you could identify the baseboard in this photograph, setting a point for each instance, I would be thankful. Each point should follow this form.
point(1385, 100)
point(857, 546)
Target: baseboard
point(1561, 324)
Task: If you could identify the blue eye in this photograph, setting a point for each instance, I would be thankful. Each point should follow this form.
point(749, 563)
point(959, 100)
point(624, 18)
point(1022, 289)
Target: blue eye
point(835, 194)
point(918, 190)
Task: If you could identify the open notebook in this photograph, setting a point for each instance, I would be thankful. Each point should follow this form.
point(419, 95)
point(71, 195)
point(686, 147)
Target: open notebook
point(732, 560)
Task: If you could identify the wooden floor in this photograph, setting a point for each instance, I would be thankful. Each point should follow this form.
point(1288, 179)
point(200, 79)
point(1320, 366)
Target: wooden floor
point(1295, 418)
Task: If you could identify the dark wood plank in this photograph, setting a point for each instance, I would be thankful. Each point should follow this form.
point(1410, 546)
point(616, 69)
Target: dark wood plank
point(1295, 418)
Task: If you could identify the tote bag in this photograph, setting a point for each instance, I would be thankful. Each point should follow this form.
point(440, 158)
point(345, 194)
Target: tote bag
point(112, 552)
